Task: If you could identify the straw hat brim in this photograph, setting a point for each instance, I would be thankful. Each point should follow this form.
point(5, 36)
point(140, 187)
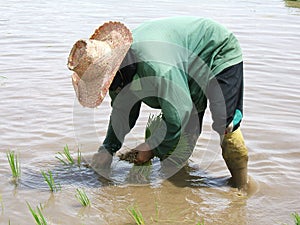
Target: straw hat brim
point(92, 85)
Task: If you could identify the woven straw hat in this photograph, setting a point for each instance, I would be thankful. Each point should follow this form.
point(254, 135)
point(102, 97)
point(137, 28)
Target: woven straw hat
point(96, 61)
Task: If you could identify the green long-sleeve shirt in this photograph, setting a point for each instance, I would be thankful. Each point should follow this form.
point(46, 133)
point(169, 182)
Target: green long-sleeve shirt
point(176, 57)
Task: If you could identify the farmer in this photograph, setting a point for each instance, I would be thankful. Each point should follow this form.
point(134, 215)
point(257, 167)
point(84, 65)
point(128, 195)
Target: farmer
point(173, 64)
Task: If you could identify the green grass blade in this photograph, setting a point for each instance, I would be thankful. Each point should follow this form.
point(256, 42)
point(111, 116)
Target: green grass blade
point(14, 164)
point(68, 155)
point(136, 215)
point(61, 158)
point(37, 215)
point(79, 157)
point(154, 122)
point(82, 197)
point(296, 218)
point(42, 218)
point(66, 158)
point(50, 181)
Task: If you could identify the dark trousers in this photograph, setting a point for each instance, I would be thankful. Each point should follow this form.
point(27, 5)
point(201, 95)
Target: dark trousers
point(225, 95)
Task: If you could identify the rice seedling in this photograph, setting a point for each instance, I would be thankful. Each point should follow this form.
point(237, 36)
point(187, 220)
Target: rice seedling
point(296, 218)
point(66, 158)
point(37, 215)
point(178, 156)
point(14, 164)
point(181, 151)
point(79, 157)
point(154, 123)
point(156, 218)
point(50, 181)
point(82, 197)
point(136, 215)
point(141, 173)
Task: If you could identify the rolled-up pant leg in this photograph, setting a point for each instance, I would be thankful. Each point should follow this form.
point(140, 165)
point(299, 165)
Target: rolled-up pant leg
point(225, 95)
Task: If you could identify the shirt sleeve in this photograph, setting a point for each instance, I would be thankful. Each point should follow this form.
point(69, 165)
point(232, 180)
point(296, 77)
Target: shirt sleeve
point(123, 117)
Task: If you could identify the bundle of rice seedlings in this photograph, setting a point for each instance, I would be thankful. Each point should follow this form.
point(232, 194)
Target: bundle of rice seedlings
point(177, 157)
point(181, 152)
point(141, 173)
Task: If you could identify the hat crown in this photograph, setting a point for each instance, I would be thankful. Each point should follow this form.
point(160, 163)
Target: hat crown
point(85, 53)
point(96, 61)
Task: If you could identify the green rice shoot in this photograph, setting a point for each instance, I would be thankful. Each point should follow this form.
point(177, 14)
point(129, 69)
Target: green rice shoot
point(79, 157)
point(82, 197)
point(14, 164)
point(141, 173)
point(154, 123)
point(181, 151)
point(178, 155)
point(65, 157)
point(136, 215)
point(296, 218)
point(37, 215)
point(48, 177)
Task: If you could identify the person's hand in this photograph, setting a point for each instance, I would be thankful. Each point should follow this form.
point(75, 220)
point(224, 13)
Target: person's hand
point(102, 159)
point(139, 155)
point(144, 153)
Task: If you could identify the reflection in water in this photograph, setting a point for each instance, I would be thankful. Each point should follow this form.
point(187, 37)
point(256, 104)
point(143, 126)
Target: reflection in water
point(190, 177)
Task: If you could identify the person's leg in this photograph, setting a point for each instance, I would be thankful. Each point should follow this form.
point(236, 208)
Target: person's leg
point(235, 154)
point(225, 94)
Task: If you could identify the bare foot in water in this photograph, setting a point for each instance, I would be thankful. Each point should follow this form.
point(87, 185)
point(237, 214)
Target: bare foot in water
point(249, 189)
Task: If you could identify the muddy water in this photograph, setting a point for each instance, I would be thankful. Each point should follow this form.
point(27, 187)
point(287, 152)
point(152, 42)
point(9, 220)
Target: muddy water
point(39, 116)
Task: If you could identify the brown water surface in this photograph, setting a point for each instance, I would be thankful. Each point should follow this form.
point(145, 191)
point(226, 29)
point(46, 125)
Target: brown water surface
point(39, 115)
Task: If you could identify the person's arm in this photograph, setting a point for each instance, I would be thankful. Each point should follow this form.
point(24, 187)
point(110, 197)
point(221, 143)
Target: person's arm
point(122, 120)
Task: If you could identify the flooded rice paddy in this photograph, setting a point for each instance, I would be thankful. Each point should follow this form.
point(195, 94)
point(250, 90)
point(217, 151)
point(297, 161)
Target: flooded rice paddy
point(39, 115)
